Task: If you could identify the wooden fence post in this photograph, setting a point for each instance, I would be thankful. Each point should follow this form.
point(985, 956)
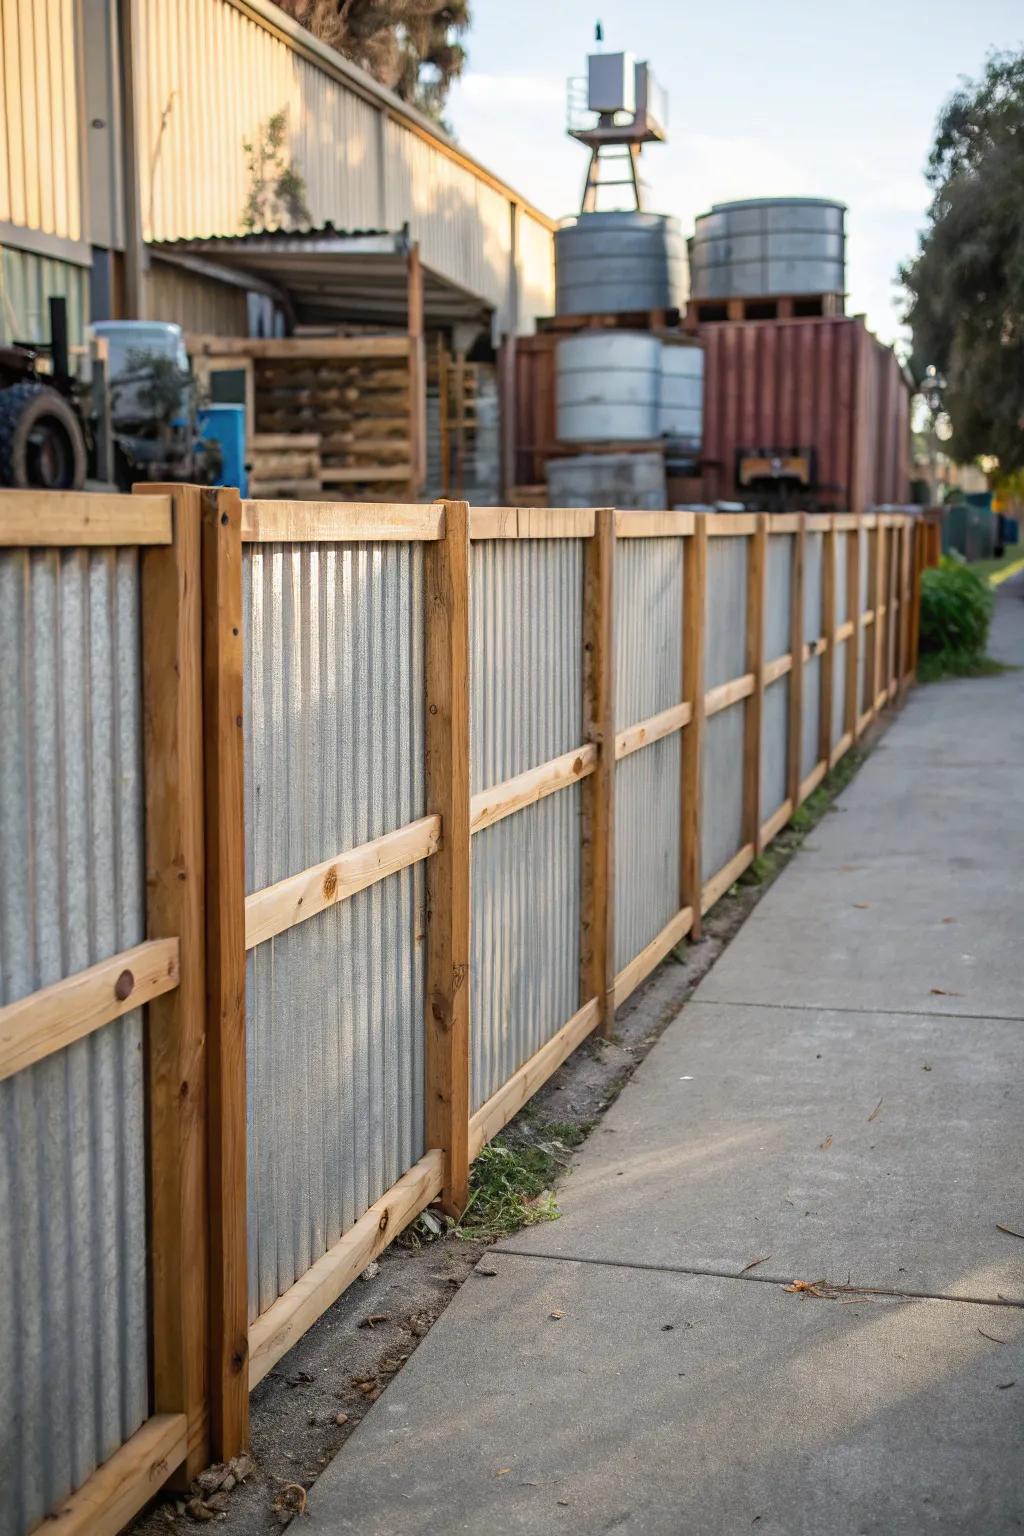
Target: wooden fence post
point(225, 969)
point(878, 572)
point(695, 570)
point(446, 654)
point(828, 624)
point(855, 644)
point(176, 1024)
point(597, 949)
point(796, 675)
point(757, 550)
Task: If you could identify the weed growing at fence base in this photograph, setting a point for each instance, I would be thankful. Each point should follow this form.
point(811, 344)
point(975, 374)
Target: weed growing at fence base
point(510, 1180)
point(935, 666)
point(769, 863)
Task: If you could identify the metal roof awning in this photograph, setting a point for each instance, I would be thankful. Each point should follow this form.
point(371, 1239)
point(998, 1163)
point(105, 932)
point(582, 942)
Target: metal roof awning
point(327, 276)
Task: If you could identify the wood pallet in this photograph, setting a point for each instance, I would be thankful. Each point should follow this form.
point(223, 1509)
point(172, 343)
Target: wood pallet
point(790, 306)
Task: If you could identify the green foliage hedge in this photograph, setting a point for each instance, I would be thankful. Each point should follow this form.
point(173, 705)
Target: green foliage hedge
point(956, 611)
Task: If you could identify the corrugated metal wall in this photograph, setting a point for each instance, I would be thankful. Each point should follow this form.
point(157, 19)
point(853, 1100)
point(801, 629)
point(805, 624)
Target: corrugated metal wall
point(814, 551)
point(194, 302)
point(335, 1007)
point(843, 650)
point(73, 1322)
point(725, 657)
point(775, 710)
point(526, 707)
point(361, 168)
point(26, 283)
point(648, 678)
point(40, 164)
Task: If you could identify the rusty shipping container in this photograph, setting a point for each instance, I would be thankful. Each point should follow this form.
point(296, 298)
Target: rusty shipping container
point(824, 383)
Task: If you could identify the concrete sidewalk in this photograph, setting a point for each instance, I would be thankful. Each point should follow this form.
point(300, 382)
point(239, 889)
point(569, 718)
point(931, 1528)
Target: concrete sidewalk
point(841, 1100)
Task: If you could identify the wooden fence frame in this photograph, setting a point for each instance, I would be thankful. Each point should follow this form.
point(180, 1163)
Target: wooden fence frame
point(165, 974)
point(191, 971)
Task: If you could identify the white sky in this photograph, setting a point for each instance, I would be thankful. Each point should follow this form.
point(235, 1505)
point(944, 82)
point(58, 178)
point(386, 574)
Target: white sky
point(765, 99)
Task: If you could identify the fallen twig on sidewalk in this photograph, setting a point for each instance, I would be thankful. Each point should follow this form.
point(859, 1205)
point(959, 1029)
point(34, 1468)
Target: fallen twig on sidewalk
point(1009, 1231)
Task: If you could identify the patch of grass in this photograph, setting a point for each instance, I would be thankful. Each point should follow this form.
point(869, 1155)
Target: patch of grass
point(510, 1185)
point(1011, 554)
point(937, 666)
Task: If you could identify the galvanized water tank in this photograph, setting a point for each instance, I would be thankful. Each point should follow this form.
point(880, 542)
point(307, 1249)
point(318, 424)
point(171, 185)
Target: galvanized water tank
point(614, 263)
point(769, 245)
point(681, 412)
point(607, 387)
point(625, 480)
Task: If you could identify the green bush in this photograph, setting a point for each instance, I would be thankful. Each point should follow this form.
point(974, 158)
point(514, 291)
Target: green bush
point(956, 611)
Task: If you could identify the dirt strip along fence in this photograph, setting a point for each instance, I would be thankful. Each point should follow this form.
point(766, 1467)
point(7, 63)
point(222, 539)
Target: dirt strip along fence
point(329, 831)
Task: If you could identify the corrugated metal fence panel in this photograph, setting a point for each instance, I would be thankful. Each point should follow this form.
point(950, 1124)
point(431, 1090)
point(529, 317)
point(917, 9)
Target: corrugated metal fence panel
point(867, 634)
point(810, 715)
point(722, 811)
point(843, 651)
point(26, 283)
point(725, 626)
point(526, 707)
point(40, 166)
point(335, 1007)
point(647, 831)
point(774, 746)
point(648, 679)
point(778, 575)
point(725, 657)
point(73, 1319)
point(814, 554)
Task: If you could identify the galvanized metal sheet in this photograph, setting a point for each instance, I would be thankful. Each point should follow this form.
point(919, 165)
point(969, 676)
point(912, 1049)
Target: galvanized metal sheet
point(778, 577)
point(842, 557)
point(648, 628)
point(334, 757)
point(722, 810)
point(73, 1322)
point(27, 282)
point(526, 639)
point(526, 615)
point(526, 882)
point(810, 715)
point(814, 555)
point(774, 746)
point(647, 853)
point(839, 693)
point(725, 625)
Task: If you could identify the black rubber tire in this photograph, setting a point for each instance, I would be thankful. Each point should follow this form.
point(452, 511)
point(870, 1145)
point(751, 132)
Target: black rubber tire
point(41, 441)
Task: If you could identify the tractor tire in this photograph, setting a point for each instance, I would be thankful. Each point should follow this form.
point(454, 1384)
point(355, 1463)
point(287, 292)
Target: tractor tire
point(42, 446)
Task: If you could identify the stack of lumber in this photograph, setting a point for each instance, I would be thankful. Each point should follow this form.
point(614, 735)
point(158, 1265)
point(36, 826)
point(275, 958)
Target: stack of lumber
point(284, 464)
point(359, 407)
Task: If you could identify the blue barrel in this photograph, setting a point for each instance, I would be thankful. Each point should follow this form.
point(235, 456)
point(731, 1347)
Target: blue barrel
point(225, 424)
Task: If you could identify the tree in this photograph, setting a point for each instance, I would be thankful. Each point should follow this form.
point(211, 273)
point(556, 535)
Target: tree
point(411, 46)
point(965, 288)
point(277, 192)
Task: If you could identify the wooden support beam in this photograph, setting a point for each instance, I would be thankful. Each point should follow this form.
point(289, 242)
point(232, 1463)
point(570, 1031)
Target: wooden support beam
point(757, 548)
point(176, 1022)
point(733, 692)
point(447, 748)
point(225, 970)
point(596, 927)
point(286, 1320)
point(653, 729)
point(726, 876)
point(641, 966)
point(523, 1084)
point(775, 823)
point(56, 1016)
point(653, 525)
point(854, 648)
point(796, 676)
point(299, 897)
point(501, 800)
point(38, 519)
point(126, 1481)
point(339, 522)
point(531, 523)
point(773, 670)
point(695, 568)
point(828, 626)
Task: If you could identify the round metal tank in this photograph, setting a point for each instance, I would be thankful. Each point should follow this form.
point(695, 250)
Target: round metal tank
point(607, 387)
point(681, 412)
point(769, 245)
point(632, 481)
point(614, 263)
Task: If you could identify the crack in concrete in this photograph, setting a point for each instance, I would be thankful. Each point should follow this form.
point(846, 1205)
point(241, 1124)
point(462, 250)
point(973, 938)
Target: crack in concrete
point(726, 1274)
point(902, 1013)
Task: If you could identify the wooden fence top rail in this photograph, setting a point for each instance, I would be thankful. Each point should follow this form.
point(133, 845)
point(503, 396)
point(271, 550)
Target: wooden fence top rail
point(284, 348)
point(531, 523)
point(726, 524)
point(71, 519)
point(784, 522)
point(653, 525)
point(339, 522)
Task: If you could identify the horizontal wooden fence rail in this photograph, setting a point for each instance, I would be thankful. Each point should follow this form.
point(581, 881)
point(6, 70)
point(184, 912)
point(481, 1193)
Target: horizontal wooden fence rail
point(422, 795)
